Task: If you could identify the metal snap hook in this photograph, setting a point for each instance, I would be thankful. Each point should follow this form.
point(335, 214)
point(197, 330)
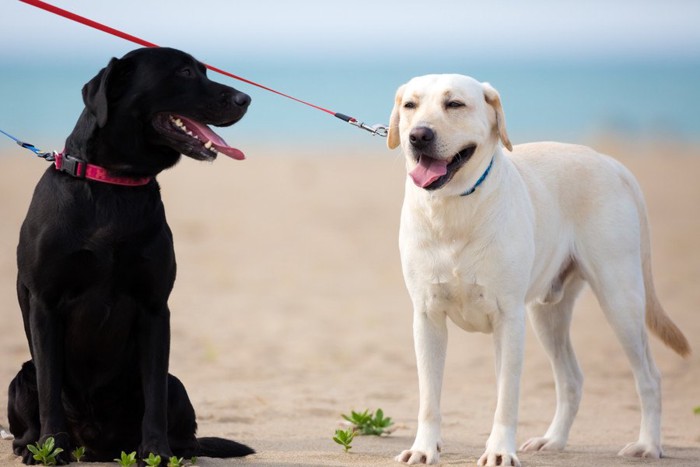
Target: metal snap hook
point(378, 129)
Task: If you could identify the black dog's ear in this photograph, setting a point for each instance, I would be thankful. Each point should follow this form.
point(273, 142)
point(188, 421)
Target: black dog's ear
point(98, 92)
point(95, 93)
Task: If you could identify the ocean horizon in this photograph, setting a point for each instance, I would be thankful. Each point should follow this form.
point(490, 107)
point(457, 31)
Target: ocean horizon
point(571, 101)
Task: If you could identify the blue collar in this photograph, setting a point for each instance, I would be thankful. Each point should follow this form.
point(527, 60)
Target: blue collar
point(480, 181)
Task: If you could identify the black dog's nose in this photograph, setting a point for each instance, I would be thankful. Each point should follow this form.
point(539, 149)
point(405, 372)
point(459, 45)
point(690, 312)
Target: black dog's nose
point(421, 136)
point(241, 99)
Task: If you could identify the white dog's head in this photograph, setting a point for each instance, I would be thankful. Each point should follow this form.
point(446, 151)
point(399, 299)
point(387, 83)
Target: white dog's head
point(443, 122)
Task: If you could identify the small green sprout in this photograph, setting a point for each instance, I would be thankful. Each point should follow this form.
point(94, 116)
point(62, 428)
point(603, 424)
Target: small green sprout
point(78, 453)
point(369, 423)
point(379, 424)
point(344, 438)
point(127, 460)
point(152, 460)
point(45, 453)
point(193, 460)
point(358, 420)
point(696, 410)
point(176, 461)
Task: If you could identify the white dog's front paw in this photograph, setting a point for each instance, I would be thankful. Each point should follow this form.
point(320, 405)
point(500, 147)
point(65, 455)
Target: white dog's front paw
point(543, 444)
point(639, 449)
point(420, 456)
point(499, 457)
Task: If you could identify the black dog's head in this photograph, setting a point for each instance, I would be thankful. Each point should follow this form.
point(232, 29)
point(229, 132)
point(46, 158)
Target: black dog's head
point(142, 111)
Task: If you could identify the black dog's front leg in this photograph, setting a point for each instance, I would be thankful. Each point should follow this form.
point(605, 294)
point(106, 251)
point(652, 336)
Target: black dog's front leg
point(154, 342)
point(47, 343)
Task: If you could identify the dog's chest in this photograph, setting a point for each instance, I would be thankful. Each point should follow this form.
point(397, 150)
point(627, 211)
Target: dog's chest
point(443, 279)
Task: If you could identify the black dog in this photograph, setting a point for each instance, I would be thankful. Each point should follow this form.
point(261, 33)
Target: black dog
point(96, 266)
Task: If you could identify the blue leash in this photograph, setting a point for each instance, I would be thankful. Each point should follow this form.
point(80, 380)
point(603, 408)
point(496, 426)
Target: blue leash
point(49, 156)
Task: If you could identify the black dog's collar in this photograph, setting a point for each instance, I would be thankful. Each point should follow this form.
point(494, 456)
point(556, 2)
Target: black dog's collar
point(80, 169)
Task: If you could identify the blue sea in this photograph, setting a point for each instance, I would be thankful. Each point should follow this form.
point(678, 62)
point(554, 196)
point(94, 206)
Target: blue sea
point(570, 101)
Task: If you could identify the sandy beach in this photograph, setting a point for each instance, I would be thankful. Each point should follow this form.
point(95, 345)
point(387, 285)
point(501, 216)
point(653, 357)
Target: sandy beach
point(290, 309)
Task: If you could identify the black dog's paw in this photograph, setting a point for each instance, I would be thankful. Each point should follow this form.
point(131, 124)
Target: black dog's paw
point(158, 448)
point(27, 456)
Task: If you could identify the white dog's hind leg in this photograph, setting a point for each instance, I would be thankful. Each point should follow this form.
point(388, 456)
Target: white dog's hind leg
point(509, 343)
point(551, 323)
point(618, 284)
point(430, 341)
point(625, 312)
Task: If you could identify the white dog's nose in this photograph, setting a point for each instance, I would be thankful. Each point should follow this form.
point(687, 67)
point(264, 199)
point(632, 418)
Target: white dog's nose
point(421, 137)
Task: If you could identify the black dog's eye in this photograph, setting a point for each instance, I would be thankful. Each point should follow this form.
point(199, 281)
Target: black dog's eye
point(186, 72)
point(455, 104)
point(409, 105)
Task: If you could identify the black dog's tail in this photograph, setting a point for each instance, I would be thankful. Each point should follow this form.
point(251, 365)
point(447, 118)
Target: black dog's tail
point(221, 448)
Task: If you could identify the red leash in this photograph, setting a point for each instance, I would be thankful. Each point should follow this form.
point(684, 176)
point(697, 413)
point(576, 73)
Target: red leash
point(380, 130)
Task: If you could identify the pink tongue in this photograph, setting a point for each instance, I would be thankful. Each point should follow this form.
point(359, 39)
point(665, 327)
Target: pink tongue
point(428, 170)
point(204, 133)
point(230, 152)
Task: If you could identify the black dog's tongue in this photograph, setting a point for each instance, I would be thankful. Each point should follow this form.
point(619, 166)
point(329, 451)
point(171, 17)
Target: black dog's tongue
point(206, 135)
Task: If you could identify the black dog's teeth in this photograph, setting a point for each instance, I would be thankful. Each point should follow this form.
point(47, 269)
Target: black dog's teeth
point(180, 125)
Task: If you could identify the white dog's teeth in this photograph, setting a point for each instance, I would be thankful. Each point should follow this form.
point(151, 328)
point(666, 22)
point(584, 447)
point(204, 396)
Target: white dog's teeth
point(208, 144)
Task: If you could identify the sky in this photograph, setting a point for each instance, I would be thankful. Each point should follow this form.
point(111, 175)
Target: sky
point(375, 30)
point(349, 56)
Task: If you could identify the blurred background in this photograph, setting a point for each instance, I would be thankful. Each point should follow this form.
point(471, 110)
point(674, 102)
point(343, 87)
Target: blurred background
point(571, 71)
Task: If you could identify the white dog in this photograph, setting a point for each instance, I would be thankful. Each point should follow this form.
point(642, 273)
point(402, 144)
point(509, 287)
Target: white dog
point(484, 235)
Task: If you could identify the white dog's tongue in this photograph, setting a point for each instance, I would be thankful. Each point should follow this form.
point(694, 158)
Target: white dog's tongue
point(428, 170)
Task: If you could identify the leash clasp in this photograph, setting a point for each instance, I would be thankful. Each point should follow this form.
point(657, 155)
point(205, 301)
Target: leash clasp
point(378, 129)
point(49, 156)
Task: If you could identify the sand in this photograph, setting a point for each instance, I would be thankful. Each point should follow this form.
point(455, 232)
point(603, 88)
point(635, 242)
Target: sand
point(290, 309)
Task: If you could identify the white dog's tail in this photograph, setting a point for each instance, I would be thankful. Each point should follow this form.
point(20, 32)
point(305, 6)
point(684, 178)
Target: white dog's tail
point(658, 322)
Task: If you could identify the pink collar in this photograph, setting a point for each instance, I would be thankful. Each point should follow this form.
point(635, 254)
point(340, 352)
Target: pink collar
point(81, 169)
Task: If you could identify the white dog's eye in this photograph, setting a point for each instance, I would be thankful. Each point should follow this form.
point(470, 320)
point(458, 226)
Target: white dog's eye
point(455, 104)
point(409, 105)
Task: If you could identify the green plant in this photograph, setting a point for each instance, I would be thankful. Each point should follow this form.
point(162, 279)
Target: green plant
point(176, 461)
point(344, 438)
point(193, 460)
point(78, 453)
point(126, 460)
point(367, 423)
point(379, 424)
point(357, 419)
point(46, 452)
point(696, 410)
point(152, 460)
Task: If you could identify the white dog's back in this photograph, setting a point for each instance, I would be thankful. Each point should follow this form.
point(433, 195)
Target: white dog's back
point(576, 184)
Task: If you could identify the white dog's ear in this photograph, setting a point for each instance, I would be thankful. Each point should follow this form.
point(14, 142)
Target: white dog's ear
point(494, 100)
point(393, 138)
